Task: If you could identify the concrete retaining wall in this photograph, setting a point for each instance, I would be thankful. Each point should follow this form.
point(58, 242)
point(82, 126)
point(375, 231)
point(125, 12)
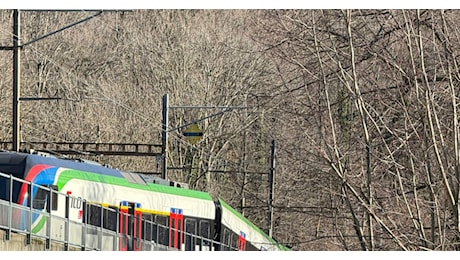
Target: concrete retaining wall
point(17, 242)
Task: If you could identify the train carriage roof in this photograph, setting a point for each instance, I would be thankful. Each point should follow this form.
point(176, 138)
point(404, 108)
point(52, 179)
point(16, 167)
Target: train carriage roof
point(27, 161)
point(20, 164)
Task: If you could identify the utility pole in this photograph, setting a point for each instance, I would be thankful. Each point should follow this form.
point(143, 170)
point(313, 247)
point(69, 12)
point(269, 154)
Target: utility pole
point(164, 136)
point(16, 48)
point(16, 79)
point(271, 181)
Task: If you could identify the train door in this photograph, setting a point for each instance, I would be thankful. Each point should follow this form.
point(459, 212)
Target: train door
point(242, 241)
point(130, 226)
point(176, 221)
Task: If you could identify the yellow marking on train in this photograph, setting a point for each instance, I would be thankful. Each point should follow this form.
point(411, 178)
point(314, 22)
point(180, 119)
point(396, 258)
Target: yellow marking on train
point(105, 205)
point(154, 212)
point(149, 211)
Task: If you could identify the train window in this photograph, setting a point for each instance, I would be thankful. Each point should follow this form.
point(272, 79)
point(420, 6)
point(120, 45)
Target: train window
point(155, 234)
point(41, 198)
point(147, 227)
point(4, 188)
point(163, 229)
point(226, 239)
point(190, 231)
point(54, 197)
point(204, 229)
point(93, 215)
point(190, 226)
point(234, 241)
point(110, 218)
point(39, 201)
point(205, 232)
point(230, 240)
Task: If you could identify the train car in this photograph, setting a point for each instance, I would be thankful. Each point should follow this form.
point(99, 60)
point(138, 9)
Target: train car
point(239, 232)
point(95, 206)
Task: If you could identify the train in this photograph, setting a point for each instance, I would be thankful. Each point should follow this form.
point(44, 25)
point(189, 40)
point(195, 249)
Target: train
point(92, 205)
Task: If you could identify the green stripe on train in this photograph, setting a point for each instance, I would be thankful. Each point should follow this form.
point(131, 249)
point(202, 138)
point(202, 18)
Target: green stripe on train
point(69, 174)
point(39, 225)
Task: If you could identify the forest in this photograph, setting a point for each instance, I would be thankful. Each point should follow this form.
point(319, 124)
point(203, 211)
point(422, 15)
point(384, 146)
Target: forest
point(361, 104)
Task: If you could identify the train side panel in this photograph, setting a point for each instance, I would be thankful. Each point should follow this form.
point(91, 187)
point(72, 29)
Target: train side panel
point(112, 191)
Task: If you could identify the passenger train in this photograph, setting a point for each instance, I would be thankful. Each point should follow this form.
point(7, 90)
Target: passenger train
point(86, 203)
